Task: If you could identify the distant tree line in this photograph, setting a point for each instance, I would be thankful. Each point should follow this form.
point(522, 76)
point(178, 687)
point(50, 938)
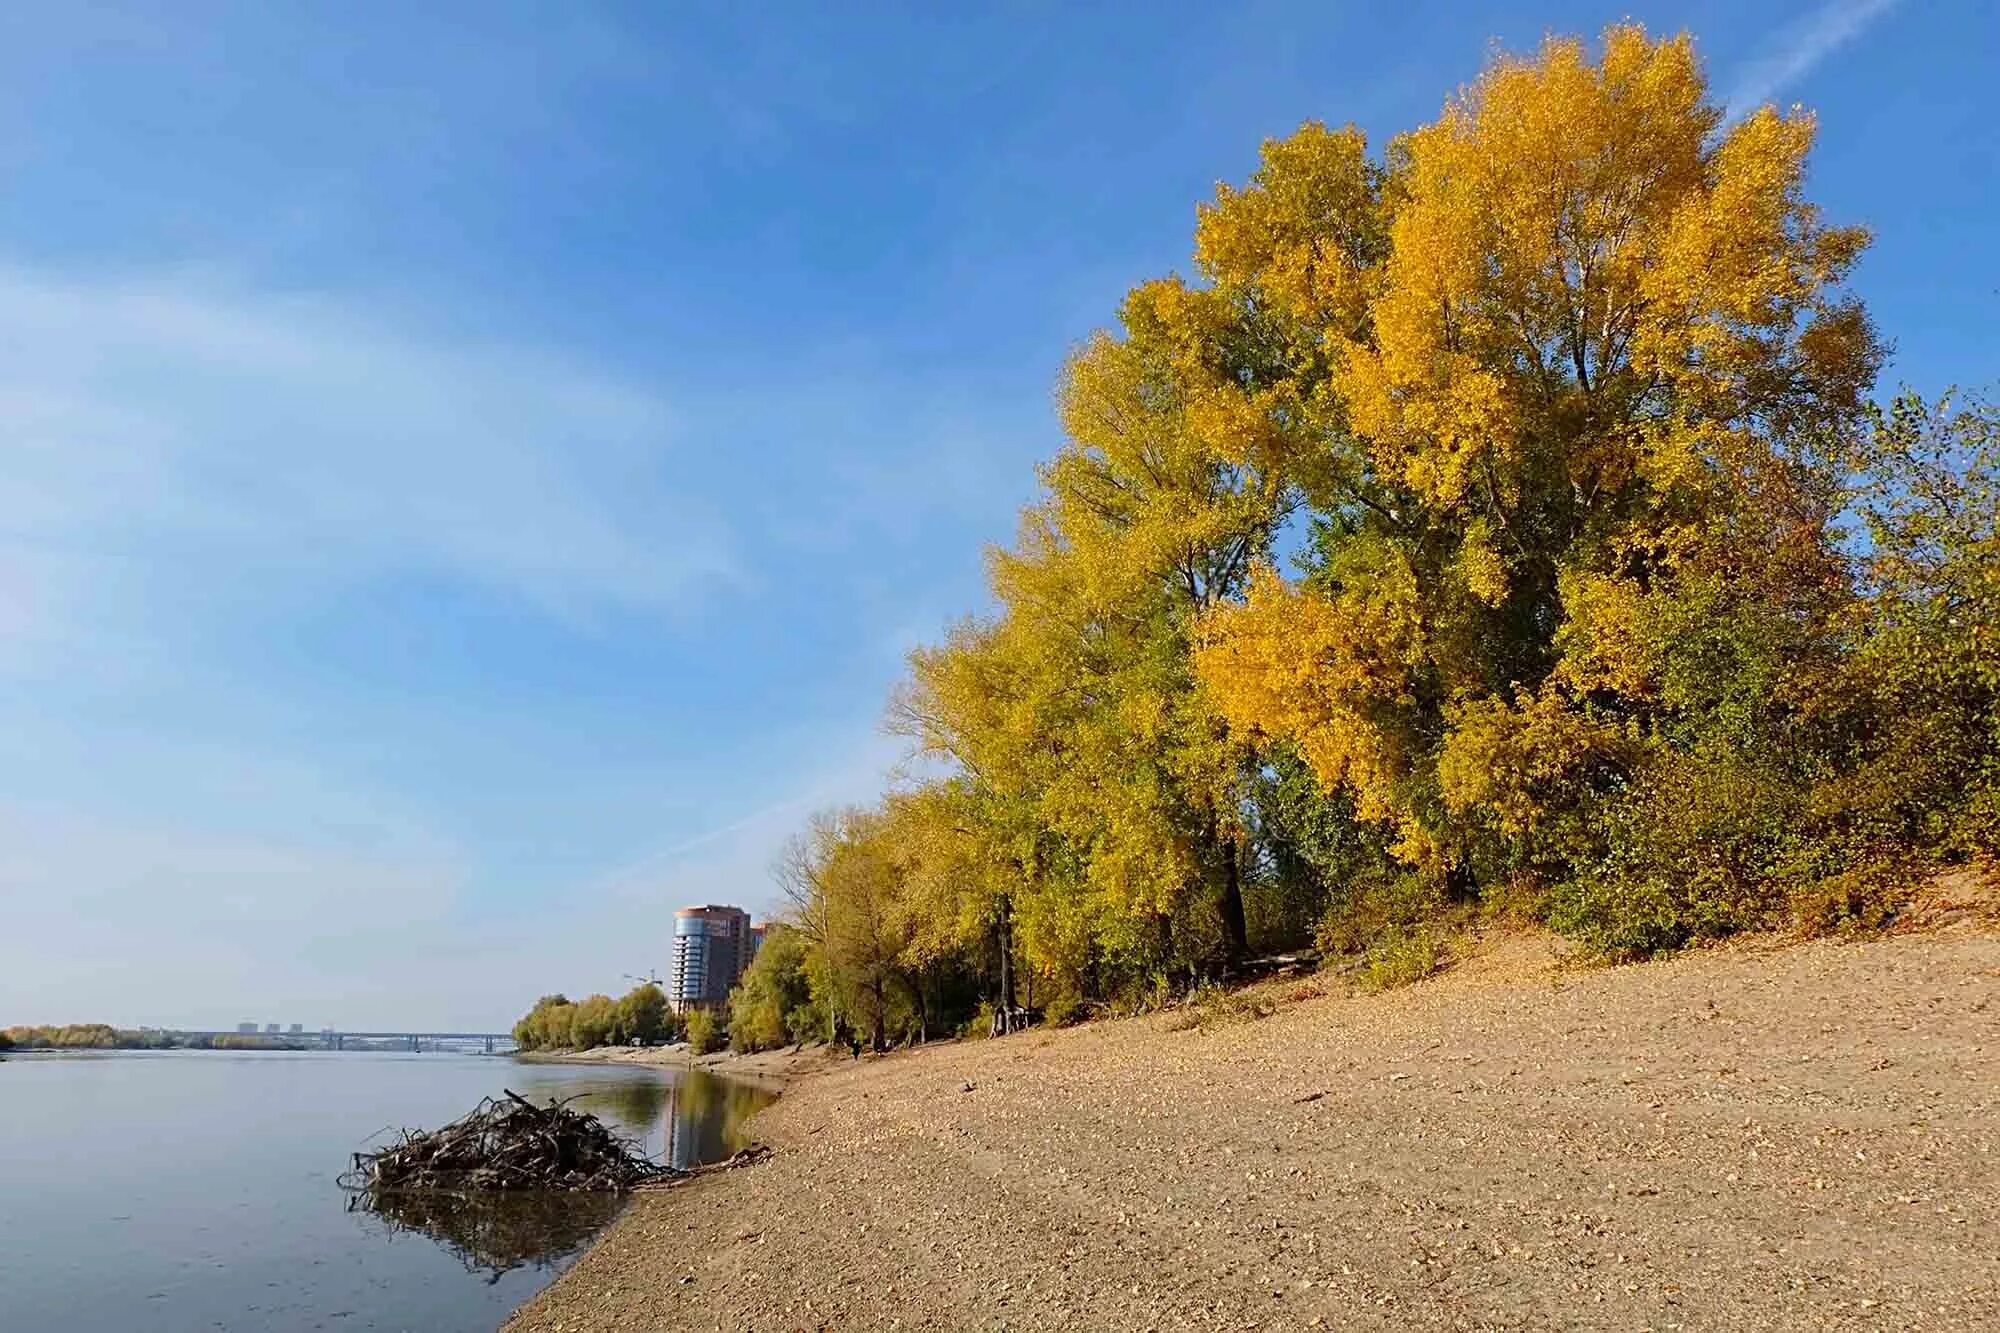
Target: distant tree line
point(558, 1023)
point(102, 1036)
point(1497, 524)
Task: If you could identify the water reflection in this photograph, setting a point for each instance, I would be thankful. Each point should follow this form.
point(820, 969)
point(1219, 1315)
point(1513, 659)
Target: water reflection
point(633, 1105)
point(684, 1119)
point(707, 1119)
point(494, 1232)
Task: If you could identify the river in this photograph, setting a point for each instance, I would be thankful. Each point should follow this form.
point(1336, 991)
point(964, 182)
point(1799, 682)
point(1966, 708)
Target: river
point(191, 1190)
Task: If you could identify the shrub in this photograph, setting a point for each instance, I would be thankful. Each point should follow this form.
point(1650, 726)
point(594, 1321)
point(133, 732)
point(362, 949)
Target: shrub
point(1372, 904)
point(1399, 958)
point(774, 1004)
point(980, 1025)
point(704, 1033)
point(1691, 852)
point(1063, 1011)
point(755, 1022)
point(1865, 896)
point(1212, 1005)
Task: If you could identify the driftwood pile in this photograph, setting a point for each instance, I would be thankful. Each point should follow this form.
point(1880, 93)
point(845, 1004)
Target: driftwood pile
point(507, 1144)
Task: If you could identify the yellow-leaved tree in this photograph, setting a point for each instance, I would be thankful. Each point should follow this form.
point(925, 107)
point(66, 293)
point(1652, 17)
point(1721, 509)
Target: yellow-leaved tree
point(1573, 405)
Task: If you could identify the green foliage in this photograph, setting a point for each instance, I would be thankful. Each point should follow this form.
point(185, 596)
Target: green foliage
point(593, 1023)
point(556, 1023)
point(547, 1026)
point(774, 1004)
point(1690, 853)
point(1063, 1011)
point(1401, 956)
point(704, 1032)
point(86, 1036)
point(102, 1036)
point(642, 1015)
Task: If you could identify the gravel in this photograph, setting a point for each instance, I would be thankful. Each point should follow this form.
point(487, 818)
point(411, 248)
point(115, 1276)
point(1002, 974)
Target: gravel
point(1749, 1137)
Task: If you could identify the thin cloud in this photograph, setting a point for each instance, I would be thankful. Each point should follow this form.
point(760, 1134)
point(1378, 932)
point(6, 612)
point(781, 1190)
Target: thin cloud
point(167, 437)
point(1804, 46)
point(746, 844)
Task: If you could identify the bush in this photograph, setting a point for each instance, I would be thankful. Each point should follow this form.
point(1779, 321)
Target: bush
point(755, 1023)
point(1372, 904)
point(980, 1025)
point(773, 1005)
point(1692, 852)
point(1399, 958)
point(1063, 1011)
point(1212, 1005)
point(1864, 897)
point(704, 1032)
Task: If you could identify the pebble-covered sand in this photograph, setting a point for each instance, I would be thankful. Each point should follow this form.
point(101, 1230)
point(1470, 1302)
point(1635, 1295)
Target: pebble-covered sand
point(1752, 1137)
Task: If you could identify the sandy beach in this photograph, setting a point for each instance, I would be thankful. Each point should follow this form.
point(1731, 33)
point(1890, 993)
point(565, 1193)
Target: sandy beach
point(1757, 1136)
point(772, 1069)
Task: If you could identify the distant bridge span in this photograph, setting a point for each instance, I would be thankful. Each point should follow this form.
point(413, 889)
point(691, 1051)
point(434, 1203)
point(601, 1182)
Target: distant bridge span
point(333, 1040)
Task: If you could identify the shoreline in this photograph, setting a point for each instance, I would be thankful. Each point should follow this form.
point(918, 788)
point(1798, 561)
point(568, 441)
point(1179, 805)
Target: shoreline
point(1763, 1134)
point(776, 1071)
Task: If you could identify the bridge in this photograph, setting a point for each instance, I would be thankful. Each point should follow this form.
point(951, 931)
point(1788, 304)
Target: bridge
point(489, 1042)
point(333, 1040)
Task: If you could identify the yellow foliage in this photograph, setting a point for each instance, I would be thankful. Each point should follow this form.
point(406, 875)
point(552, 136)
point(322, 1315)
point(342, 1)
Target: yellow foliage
point(1561, 378)
point(1325, 672)
point(1480, 566)
point(1501, 757)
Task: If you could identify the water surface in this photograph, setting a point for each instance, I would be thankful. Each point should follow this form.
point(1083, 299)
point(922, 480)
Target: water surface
point(190, 1190)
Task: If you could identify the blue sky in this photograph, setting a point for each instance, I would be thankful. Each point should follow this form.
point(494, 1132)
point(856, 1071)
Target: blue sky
point(470, 476)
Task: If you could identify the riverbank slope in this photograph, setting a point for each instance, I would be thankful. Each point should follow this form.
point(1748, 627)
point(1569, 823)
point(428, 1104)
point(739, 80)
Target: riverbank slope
point(771, 1069)
point(1754, 1137)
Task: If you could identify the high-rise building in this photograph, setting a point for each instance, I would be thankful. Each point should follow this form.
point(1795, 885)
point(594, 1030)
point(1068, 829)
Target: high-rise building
point(246, 1027)
point(712, 946)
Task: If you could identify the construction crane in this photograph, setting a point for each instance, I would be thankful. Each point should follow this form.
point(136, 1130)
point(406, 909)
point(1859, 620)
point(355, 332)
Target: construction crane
point(652, 980)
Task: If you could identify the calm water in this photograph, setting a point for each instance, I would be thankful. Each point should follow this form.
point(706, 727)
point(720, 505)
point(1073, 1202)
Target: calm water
point(196, 1190)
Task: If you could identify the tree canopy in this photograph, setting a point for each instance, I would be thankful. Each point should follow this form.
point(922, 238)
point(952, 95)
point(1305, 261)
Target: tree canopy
point(1499, 521)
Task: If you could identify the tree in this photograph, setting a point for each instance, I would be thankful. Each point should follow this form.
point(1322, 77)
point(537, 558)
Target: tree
point(593, 1023)
point(546, 1026)
point(774, 1003)
point(643, 1015)
point(704, 1032)
point(1557, 408)
point(866, 934)
point(1914, 715)
point(1571, 406)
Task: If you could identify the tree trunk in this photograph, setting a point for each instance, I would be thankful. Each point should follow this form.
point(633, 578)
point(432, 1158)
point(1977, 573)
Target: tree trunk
point(1233, 922)
point(879, 1038)
point(1005, 930)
